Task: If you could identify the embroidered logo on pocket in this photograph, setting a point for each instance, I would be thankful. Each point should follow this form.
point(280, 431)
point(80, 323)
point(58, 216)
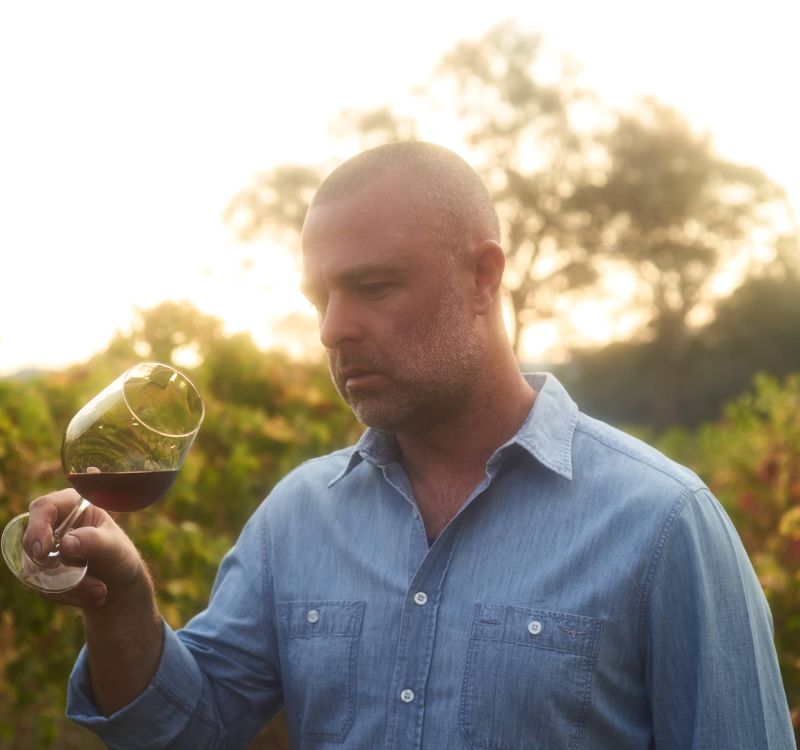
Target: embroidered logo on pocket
point(572, 632)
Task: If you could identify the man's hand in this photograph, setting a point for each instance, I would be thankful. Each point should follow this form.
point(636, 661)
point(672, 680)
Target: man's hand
point(124, 632)
point(114, 562)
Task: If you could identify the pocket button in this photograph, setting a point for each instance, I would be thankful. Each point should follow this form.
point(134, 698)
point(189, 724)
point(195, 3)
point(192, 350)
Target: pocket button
point(534, 627)
point(312, 616)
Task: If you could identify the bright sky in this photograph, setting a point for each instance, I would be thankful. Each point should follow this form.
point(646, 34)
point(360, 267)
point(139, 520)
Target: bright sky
point(125, 129)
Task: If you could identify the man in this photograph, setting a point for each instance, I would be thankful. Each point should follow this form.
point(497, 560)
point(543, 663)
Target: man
point(486, 568)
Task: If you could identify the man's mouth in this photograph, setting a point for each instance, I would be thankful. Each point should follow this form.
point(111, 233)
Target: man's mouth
point(358, 377)
point(355, 377)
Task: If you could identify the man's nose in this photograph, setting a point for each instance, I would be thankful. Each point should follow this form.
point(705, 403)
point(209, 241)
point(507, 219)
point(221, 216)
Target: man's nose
point(339, 321)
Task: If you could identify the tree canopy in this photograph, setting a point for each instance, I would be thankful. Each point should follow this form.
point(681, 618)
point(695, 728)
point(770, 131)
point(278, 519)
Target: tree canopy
point(582, 191)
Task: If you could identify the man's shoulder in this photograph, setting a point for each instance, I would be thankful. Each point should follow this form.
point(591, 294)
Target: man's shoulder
point(304, 487)
point(601, 445)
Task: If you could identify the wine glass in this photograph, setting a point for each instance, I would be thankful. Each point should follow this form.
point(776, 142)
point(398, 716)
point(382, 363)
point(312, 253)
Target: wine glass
point(122, 451)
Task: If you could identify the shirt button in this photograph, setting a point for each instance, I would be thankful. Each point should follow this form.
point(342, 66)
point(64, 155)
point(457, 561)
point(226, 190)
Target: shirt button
point(420, 598)
point(407, 695)
point(312, 616)
point(534, 627)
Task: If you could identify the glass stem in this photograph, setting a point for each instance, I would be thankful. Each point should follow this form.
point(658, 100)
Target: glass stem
point(71, 518)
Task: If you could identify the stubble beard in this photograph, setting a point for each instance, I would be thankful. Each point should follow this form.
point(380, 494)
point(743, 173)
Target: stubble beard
point(426, 378)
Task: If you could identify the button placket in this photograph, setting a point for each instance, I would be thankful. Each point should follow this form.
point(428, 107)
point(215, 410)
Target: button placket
point(427, 572)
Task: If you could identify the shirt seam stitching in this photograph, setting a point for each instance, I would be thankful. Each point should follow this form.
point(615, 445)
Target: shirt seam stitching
point(189, 712)
point(689, 486)
point(655, 564)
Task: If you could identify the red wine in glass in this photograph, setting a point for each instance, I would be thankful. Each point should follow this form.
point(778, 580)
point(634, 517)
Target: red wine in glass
point(123, 490)
point(122, 451)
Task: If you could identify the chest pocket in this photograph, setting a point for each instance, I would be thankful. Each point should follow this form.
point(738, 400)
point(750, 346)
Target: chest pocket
point(320, 645)
point(527, 679)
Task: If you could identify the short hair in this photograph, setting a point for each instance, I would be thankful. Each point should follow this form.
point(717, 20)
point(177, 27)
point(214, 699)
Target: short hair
point(464, 210)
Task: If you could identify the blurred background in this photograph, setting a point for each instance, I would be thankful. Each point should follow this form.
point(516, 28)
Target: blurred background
point(155, 165)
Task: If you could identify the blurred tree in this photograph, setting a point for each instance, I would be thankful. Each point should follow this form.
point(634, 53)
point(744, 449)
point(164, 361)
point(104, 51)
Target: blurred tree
point(516, 123)
point(753, 330)
point(669, 209)
point(160, 332)
point(274, 205)
point(518, 103)
point(667, 206)
point(577, 189)
point(373, 127)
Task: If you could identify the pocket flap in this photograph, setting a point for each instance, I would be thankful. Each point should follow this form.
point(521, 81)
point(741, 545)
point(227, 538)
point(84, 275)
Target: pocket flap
point(326, 618)
point(559, 631)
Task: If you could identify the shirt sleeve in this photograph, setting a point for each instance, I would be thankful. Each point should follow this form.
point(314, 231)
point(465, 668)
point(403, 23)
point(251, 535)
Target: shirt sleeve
point(711, 666)
point(217, 682)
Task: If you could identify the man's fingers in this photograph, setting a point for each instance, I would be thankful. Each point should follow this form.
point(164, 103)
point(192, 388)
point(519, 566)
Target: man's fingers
point(62, 500)
point(45, 513)
point(99, 545)
point(109, 552)
point(96, 539)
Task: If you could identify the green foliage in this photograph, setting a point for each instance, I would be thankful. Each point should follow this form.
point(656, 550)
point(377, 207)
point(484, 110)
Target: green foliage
point(265, 415)
point(35, 642)
point(751, 460)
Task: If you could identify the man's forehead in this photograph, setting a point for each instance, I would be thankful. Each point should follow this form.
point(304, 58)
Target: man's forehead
point(357, 245)
point(382, 206)
point(365, 249)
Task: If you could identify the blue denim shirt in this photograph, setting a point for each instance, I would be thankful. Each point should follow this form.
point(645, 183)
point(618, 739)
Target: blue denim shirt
point(589, 594)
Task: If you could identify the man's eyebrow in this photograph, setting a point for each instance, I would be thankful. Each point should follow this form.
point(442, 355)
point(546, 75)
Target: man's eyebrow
point(358, 273)
point(368, 270)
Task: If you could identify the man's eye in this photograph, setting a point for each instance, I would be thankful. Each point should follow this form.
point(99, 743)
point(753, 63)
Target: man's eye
point(374, 290)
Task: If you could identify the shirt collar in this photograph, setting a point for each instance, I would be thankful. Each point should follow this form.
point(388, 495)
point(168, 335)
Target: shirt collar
point(546, 434)
point(375, 447)
point(548, 430)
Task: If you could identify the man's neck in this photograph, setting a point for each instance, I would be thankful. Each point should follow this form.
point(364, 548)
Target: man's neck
point(461, 446)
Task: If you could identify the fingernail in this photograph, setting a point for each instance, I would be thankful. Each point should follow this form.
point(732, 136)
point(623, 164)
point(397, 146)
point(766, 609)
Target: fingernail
point(37, 548)
point(70, 543)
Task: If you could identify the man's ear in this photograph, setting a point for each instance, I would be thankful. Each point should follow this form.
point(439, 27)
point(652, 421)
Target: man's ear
point(487, 266)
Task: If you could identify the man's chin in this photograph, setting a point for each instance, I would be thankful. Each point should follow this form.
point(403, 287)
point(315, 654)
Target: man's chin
point(372, 413)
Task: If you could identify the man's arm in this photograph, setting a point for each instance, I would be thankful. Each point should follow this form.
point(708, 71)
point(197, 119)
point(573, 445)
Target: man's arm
point(140, 684)
point(124, 639)
point(711, 667)
point(124, 631)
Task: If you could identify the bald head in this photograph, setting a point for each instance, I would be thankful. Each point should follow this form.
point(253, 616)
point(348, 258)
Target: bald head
point(442, 189)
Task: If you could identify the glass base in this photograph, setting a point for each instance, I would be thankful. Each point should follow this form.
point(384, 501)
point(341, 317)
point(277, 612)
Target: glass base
point(51, 576)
